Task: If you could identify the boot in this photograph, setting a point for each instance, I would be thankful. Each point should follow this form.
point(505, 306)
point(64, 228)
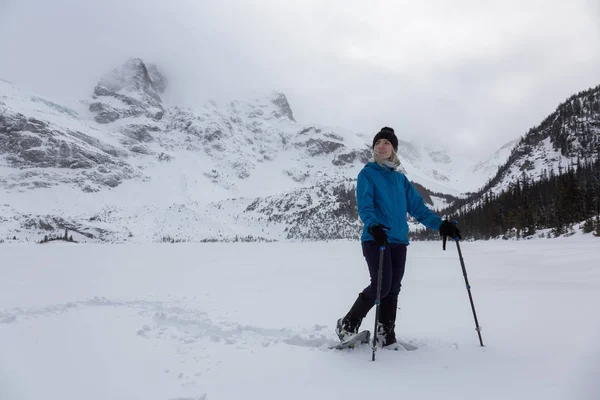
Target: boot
point(348, 326)
point(386, 333)
point(386, 337)
point(344, 331)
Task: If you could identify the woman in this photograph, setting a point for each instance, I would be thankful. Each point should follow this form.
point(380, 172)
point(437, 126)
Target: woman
point(384, 196)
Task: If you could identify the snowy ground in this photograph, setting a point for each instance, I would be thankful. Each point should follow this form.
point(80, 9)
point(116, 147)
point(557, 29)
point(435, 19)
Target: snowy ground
point(253, 321)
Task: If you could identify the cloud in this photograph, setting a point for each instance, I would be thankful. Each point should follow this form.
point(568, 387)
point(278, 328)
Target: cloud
point(466, 74)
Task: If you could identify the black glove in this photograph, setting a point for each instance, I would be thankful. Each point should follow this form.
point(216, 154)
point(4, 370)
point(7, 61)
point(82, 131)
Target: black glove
point(378, 233)
point(449, 229)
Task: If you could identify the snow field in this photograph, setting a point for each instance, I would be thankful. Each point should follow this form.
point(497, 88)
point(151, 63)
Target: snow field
point(253, 320)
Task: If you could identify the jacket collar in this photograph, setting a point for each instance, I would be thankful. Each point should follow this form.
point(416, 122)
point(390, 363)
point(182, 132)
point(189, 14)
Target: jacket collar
point(374, 165)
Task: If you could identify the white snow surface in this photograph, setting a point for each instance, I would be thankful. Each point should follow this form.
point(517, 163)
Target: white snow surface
point(254, 320)
point(544, 158)
point(488, 168)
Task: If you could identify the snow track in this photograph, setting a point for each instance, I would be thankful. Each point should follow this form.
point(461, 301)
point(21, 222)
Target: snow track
point(216, 321)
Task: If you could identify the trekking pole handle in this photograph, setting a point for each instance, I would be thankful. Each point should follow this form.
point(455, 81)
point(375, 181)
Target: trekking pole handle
point(445, 237)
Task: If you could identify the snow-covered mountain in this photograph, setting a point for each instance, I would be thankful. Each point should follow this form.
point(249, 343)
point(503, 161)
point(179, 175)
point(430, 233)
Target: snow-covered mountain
point(122, 165)
point(568, 136)
point(489, 167)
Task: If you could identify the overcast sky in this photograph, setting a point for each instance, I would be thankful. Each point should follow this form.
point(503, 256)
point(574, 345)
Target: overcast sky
point(466, 74)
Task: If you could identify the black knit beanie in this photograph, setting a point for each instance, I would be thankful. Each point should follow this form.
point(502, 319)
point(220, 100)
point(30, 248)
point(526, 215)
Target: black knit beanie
point(386, 133)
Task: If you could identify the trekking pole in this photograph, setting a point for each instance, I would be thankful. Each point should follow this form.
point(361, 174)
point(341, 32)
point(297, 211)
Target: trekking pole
point(378, 298)
point(462, 263)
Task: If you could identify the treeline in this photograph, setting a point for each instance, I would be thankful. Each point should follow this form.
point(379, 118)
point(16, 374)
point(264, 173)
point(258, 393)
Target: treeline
point(573, 129)
point(65, 237)
point(426, 194)
point(556, 202)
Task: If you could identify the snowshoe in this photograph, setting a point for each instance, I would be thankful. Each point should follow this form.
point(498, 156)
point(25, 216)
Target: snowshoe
point(362, 337)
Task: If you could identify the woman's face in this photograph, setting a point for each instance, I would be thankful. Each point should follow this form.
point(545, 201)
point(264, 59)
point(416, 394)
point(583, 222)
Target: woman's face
point(384, 149)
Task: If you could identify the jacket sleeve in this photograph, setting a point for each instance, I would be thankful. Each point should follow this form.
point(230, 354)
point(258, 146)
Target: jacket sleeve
point(416, 207)
point(365, 192)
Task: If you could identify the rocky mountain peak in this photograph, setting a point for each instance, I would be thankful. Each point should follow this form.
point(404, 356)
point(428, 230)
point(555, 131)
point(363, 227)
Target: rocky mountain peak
point(133, 87)
point(130, 78)
point(283, 106)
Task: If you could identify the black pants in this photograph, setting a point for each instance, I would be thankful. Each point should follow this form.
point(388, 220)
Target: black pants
point(394, 260)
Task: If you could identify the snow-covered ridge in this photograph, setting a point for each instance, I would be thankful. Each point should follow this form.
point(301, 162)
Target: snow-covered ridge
point(567, 138)
point(492, 164)
point(117, 160)
point(571, 134)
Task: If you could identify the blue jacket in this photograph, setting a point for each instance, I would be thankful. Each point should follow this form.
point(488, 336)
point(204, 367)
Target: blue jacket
point(384, 196)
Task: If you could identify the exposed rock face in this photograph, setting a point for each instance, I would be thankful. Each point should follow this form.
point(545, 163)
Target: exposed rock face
point(132, 78)
point(322, 212)
point(128, 92)
point(283, 106)
point(31, 145)
point(140, 133)
point(318, 147)
point(355, 156)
